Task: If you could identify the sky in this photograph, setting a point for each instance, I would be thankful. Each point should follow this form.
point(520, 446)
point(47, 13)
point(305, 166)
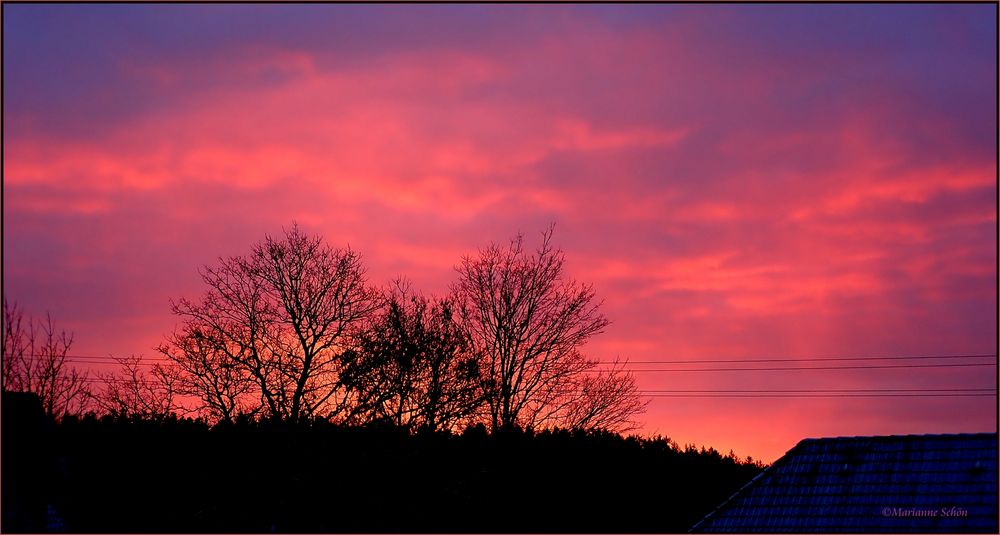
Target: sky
point(736, 181)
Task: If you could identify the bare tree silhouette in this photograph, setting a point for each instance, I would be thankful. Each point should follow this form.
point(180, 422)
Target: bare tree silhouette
point(133, 391)
point(526, 322)
point(34, 360)
point(281, 313)
point(207, 372)
point(608, 400)
point(292, 330)
point(411, 365)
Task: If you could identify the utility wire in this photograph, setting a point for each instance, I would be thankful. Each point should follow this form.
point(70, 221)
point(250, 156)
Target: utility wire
point(805, 393)
point(869, 395)
point(809, 359)
point(603, 366)
point(682, 370)
point(825, 391)
point(795, 368)
point(112, 358)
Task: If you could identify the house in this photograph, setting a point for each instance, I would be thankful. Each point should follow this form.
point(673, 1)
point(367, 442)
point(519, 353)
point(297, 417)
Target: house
point(883, 484)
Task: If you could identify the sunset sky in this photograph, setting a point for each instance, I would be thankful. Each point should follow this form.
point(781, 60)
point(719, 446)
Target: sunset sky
point(736, 181)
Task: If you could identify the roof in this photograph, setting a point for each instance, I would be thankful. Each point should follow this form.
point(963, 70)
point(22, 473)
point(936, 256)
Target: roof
point(910, 483)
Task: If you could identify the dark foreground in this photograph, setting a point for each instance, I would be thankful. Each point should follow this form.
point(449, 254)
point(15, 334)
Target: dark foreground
point(119, 475)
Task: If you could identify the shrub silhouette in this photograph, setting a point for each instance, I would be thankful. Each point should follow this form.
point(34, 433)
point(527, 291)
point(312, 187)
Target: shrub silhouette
point(127, 474)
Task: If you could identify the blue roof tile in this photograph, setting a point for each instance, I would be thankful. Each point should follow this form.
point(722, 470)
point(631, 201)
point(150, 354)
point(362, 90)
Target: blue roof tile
point(911, 484)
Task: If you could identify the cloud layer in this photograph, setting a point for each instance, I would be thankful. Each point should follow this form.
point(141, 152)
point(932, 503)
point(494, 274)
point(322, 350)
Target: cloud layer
point(736, 181)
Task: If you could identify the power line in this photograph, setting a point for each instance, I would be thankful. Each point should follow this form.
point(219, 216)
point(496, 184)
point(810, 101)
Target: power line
point(831, 391)
point(665, 361)
point(800, 396)
point(860, 393)
point(106, 358)
point(676, 370)
point(794, 368)
point(763, 393)
point(152, 361)
point(113, 360)
point(808, 359)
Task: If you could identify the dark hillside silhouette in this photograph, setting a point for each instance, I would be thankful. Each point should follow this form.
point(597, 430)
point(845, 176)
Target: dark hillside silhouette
point(27, 462)
point(326, 404)
point(179, 475)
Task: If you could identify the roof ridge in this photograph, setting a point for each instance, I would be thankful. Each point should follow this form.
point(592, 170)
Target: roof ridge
point(896, 437)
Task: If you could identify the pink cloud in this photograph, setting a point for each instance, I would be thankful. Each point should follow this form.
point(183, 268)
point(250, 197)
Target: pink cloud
point(721, 208)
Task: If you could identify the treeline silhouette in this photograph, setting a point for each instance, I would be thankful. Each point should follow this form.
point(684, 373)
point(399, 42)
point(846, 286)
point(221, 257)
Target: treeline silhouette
point(296, 396)
point(134, 474)
point(295, 330)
